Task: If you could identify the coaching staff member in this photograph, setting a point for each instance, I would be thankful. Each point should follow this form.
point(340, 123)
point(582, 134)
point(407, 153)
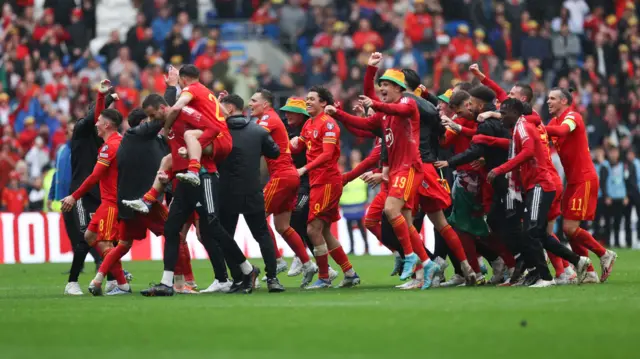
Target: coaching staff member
point(240, 187)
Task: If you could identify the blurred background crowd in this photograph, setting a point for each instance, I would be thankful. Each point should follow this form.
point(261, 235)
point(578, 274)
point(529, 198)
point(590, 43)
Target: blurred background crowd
point(48, 71)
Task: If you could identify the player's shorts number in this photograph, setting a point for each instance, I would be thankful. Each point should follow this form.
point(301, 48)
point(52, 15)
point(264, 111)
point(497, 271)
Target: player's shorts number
point(316, 208)
point(573, 204)
point(400, 182)
point(101, 225)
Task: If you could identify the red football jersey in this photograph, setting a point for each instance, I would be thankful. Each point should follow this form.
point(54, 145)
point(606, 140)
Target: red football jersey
point(107, 157)
point(205, 102)
point(284, 163)
point(190, 119)
point(316, 132)
point(573, 149)
point(533, 171)
point(544, 137)
point(14, 200)
point(402, 134)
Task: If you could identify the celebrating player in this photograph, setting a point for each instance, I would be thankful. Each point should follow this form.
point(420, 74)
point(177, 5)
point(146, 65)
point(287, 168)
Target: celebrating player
point(580, 198)
point(102, 229)
point(281, 192)
point(320, 137)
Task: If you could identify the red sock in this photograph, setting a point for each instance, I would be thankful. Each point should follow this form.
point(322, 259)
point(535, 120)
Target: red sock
point(151, 196)
point(323, 266)
point(116, 268)
point(418, 244)
point(587, 240)
point(275, 244)
point(401, 229)
point(580, 250)
point(194, 166)
point(469, 245)
point(188, 270)
point(374, 227)
point(111, 256)
point(557, 264)
point(340, 257)
point(453, 242)
point(295, 242)
point(499, 247)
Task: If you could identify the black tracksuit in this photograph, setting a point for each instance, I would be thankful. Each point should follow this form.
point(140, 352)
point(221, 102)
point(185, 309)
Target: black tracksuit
point(220, 246)
point(84, 154)
point(139, 156)
point(240, 187)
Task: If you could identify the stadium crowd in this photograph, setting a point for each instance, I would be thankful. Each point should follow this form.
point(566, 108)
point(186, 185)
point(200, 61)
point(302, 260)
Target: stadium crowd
point(47, 72)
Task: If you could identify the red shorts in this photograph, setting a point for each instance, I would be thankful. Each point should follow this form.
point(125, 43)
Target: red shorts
point(105, 222)
point(281, 194)
point(555, 211)
point(324, 202)
point(580, 200)
point(403, 184)
point(136, 227)
point(222, 146)
point(433, 196)
point(376, 207)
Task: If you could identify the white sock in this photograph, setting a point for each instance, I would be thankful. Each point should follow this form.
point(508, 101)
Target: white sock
point(425, 263)
point(167, 278)
point(246, 267)
point(99, 277)
point(396, 253)
point(350, 273)
point(124, 287)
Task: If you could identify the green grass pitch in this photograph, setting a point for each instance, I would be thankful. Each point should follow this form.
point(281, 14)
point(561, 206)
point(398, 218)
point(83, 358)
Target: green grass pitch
point(371, 321)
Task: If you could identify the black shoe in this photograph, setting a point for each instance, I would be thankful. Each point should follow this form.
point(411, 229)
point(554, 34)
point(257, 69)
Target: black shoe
point(235, 287)
point(518, 271)
point(531, 278)
point(249, 281)
point(274, 285)
point(158, 290)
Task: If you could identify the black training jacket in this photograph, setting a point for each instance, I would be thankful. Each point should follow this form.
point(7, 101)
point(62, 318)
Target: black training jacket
point(299, 159)
point(493, 156)
point(430, 129)
point(139, 156)
point(84, 150)
point(240, 171)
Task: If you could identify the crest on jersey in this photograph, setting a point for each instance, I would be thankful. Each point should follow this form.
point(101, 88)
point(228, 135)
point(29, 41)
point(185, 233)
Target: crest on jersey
point(315, 134)
point(265, 117)
point(171, 135)
point(388, 137)
point(330, 126)
point(104, 148)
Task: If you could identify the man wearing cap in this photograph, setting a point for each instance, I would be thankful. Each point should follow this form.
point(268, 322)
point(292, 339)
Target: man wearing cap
point(296, 115)
point(398, 117)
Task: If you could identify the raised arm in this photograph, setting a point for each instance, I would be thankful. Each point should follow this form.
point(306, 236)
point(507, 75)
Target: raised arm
point(501, 94)
point(525, 135)
point(404, 108)
point(362, 167)
point(369, 82)
point(371, 123)
point(565, 128)
point(491, 141)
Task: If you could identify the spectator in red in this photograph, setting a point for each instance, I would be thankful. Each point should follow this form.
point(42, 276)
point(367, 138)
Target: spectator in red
point(48, 29)
point(418, 24)
point(14, 199)
point(128, 95)
point(594, 22)
point(264, 15)
point(626, 65)
point(153, 78)
point(8, 160)
point(136, 32)
point(208, 58)
point(365, 35)
point(29, 134)
point(462, 43)
point(59, 136)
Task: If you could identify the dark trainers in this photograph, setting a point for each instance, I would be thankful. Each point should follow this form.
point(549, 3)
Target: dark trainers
point(158, 290)
point(249, 281)
point(274, 285)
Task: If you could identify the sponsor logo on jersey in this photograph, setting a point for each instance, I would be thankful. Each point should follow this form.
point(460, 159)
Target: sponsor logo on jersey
point(388, 137)
point(104, 155)
point(104, 148)
point(330, 134)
